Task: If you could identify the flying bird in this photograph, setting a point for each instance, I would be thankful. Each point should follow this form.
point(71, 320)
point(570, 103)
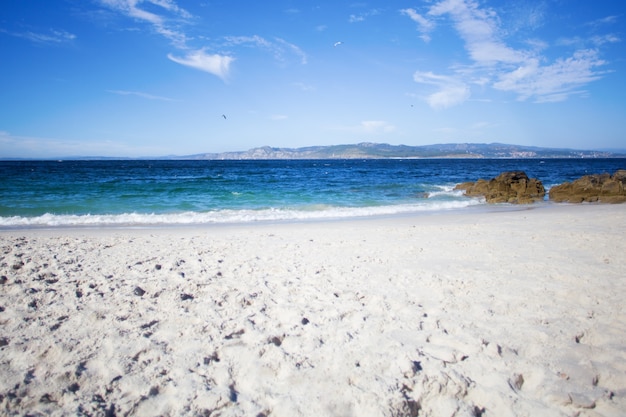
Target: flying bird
point(224, 116)
point(337, 43)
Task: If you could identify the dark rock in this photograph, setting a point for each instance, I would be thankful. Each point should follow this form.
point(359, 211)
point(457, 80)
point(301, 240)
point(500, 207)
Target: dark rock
point(603, 188)
point(185, 297)
point(139, 291)
point(509, 187)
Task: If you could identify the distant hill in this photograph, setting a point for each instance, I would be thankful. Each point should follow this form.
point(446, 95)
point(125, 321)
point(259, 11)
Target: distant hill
point(368, 150)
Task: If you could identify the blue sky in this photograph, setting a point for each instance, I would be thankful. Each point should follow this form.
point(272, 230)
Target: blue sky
point(155, 77)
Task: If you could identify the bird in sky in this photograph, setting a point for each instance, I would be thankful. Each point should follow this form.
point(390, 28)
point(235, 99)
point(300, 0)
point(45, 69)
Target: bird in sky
point(337, 43)
point(224, 116)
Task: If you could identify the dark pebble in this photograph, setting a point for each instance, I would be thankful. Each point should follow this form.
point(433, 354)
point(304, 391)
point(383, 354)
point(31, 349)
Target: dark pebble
point(158, 267)
point(305, 321)
point(46, 399)
point(74, 387)
point(3, 279)
point(276, 340)
point(139, 291)
point(185, 297)
point(148, 325)
point(213, 358)
point(4, 341)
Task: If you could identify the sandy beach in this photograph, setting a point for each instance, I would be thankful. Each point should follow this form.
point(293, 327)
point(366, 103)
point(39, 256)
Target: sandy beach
point(474, 313)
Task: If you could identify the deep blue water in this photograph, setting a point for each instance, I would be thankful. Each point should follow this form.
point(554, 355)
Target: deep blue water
point(49, 193)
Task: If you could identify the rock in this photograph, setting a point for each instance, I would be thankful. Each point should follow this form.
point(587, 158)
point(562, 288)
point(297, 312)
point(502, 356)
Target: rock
point(509, 187)
point(604, 188)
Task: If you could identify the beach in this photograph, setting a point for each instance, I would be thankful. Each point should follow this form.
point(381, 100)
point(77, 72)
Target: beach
point(492, 312)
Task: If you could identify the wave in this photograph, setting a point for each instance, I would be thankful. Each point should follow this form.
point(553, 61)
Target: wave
point(226, 216)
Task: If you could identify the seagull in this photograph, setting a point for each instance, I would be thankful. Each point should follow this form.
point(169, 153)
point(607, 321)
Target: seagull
point(337, 43)
point(224, 116)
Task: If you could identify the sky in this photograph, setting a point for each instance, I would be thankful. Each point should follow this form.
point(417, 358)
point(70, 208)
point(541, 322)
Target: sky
point(140, 78)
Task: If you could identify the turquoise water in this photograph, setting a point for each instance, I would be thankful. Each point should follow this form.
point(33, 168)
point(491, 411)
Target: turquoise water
point(141, 192)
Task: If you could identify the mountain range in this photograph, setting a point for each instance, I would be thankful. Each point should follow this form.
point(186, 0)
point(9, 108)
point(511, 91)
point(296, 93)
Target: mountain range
point(368, 150)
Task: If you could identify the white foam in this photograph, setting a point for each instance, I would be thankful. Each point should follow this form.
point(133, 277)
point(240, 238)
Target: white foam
point(312, 212)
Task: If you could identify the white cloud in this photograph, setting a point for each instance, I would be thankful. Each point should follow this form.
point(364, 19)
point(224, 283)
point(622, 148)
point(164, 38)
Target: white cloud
point(425, 26)
point(354, 18)
point(553, 82)
point(53, 36)
point(215, 64)
point(278, 47)
point(140, 94)
point(376, 126)
point(278, 117)
point(369, 127)
point(451, 91)
point(479, 29)
point(528, 73)
point(161, 23)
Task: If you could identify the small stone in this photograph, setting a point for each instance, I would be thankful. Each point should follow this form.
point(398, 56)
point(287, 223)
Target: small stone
point(139, 291)
point(186, 297)
point(305, 321)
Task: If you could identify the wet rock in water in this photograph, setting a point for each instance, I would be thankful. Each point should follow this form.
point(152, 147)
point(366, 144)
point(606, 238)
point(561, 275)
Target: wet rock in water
point(512, 187)
point(139, 291)
point(603, 188)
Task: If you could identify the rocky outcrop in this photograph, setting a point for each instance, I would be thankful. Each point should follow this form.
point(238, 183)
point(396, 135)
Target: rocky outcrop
point(604, 188)
point(509, 187)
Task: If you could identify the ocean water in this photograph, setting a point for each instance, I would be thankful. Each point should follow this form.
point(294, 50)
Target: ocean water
point(162, 192)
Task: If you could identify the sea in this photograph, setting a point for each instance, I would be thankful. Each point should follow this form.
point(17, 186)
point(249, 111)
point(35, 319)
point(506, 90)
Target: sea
point(148, 193)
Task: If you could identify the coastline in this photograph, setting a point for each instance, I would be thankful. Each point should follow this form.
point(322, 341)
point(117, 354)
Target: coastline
point(499, 312)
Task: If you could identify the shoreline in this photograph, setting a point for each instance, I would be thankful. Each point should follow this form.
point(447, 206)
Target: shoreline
point(492, 313)
point(467, 210)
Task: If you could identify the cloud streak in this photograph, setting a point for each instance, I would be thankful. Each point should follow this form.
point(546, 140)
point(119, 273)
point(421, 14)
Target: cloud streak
point(167, 19)
point(527, 73)
point(140, 94)
point(218, 65)
point(53, 36)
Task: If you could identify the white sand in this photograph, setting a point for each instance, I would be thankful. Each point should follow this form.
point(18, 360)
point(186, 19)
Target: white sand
point(508, 313)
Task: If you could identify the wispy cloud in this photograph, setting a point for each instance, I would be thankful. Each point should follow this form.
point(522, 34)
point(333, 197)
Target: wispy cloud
point(169, 20)
point(530, 73)
point(278, 47)
point(369, 127)
point(163, 24)
point(355, 18)
point(53, 36)
point(450, 90)
point(140, 94)
point(555, 82)
point(304, 87)
point(215, 64)
point(424, 25)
